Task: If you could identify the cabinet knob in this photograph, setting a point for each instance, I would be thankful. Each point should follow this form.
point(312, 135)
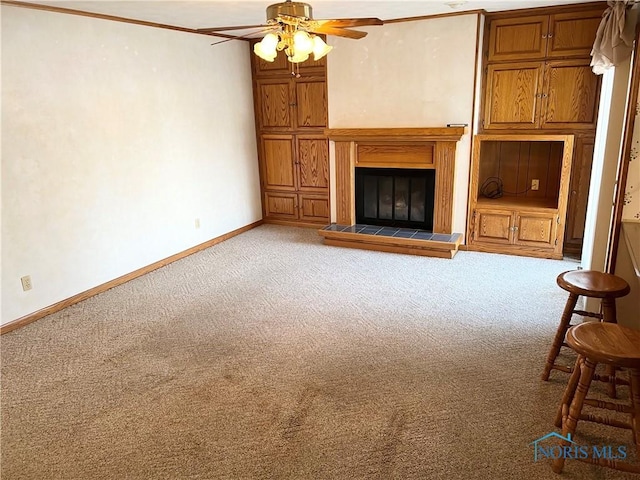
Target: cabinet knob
point(550, 35)
point(544, 36)
point(574, 192)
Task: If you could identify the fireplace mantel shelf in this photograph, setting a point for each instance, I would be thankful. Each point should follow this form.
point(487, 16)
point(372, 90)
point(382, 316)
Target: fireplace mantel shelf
point(437, 134)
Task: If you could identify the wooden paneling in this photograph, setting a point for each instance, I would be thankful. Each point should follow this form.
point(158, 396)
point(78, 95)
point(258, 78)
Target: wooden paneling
point(512, 95)
point(313, 163)
point(535, 229)
point(518, 39)
point(396, 155)
point(572, 34)
point(570, 95)
point(314, 208)
point(443, 199)
point(275, 103)
point(345, 183)
point(452, 134)
point(311, 103)
point(277, 162)
point(281, 205)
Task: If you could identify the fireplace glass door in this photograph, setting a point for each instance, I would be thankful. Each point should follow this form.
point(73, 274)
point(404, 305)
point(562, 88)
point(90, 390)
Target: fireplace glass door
point(396, 197)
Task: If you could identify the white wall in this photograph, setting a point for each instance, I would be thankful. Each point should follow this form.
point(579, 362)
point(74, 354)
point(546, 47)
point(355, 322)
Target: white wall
point(410, 74)
point(115, 138)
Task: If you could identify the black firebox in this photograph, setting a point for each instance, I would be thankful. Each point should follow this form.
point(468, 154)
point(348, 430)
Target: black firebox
point(395, 197)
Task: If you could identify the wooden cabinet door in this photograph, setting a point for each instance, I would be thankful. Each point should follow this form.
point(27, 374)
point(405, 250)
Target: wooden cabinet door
point(314, 208)
point(492, 226)
point(311, 103)
point(522, 38)
point(278, 168)
point(313, 163)
point(275, 102)
point(578, 194)
point(570, 97)
point(280, 66)
point(512, 98)
point(535, 229)
point(281, 205)
point(573, 34)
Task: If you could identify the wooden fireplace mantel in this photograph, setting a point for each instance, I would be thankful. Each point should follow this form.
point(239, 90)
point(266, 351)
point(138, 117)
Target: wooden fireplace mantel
point(424, 148)
point(450, 134)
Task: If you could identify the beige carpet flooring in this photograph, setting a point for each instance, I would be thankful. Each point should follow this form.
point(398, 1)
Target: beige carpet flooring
point(272, 356)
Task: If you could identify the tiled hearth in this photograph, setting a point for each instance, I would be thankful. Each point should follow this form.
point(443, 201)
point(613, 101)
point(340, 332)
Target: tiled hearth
point(391, 239)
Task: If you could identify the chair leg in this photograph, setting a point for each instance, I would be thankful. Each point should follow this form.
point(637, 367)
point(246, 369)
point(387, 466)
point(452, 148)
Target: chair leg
point(609, 315)
point(569, 392)
point(571, 422)
point(560, 335)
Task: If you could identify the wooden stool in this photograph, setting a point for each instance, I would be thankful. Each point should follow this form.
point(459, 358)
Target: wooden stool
point(588, 283)
point(599, 342)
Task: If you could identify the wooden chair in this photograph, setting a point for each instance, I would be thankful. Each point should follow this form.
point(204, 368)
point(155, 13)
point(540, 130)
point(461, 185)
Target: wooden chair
point(586, 283)
point(599, 342)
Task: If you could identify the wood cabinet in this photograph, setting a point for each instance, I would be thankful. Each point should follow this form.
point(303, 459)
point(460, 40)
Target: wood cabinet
point(536, 228)
point(508, 213)
point(564, 35)
point(538, 80)
point(559, 94)
point(291, 115)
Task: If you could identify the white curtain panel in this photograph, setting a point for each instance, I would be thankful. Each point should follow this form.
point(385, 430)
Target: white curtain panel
point(614, 39)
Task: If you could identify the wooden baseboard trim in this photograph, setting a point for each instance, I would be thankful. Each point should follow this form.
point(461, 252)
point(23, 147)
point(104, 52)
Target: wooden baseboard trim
point(56, 307)
point(295, 223)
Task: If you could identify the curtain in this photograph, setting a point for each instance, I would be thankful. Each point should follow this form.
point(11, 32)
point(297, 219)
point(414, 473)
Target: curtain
point(614, 39)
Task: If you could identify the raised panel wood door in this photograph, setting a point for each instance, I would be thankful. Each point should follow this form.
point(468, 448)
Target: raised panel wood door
point(274, 100)
point(278, 168)
point(512, 99)
point(314, 208)
point(578, 194)
point(282, 206)
point(313, 163)
point(311, 103)
point(570, 97)
point(535, 229)
point(493, 226)
point(518, 38)
point(573, 34)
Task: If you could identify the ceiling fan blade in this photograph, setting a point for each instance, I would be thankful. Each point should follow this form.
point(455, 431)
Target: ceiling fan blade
point(350, 22)
point(338, 32)
point(222, 29)
point(246, 36)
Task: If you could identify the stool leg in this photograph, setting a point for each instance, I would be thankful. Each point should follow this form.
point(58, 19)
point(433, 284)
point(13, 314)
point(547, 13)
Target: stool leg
point(560, 334)
point(569, 392)
point(609, 315)
point(571, 422)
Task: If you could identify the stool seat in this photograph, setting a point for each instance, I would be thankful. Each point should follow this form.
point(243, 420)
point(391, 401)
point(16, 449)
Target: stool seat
point(606, 343)
point(592, 283)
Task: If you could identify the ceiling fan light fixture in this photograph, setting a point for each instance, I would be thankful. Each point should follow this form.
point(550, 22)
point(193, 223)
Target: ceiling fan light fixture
point(266, 50)
point(298, 57)
point(302, 43)
point(320, 49)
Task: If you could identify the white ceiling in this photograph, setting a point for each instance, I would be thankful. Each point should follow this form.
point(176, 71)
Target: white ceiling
point(213, 13)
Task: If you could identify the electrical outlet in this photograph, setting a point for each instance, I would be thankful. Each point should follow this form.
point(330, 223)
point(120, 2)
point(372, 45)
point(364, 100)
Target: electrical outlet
point(26, 283)
point(197, 223)
point(535, 184)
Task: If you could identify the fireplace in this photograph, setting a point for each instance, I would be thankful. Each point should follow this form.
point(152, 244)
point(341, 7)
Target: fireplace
point(395, 197)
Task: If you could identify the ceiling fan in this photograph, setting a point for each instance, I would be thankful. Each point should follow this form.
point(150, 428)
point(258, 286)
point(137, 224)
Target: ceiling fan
point(290, 27)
